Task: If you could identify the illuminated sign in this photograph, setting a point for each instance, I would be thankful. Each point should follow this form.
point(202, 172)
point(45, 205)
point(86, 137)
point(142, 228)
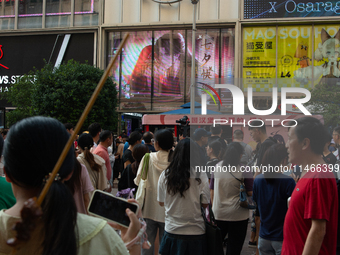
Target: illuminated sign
point(259, 9)
point(16, 58)
point(1, 55)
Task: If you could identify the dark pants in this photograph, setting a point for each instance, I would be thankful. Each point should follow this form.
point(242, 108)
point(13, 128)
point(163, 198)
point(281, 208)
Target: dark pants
point(151, 231)
point(237, 231)
point(183, 244)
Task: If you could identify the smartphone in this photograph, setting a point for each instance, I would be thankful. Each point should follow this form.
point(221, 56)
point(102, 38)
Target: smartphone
point(111, 208)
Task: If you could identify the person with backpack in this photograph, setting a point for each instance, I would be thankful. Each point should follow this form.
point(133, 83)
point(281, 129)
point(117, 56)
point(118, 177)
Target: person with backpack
point(230, 216)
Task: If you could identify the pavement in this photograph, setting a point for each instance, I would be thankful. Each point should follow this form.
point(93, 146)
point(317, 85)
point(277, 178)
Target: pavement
point(245, 250)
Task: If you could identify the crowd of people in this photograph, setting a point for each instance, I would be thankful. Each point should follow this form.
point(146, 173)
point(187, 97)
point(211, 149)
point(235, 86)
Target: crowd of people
point(296, 212)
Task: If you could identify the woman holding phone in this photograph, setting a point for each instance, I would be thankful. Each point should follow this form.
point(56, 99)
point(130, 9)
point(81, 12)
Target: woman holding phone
point(60, 229)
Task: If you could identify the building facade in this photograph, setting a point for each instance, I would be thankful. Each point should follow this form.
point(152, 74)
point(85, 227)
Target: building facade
point(249, 43)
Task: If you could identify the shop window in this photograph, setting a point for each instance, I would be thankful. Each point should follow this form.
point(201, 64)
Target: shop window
point(112, 47)
point(326, 55)
point(155, 68)
point(7, 14)
point(134, 76)
point(259, 58)
point(207, 66)
point(86, 12)
point(7, 7)
point(300, 61)
point(54, 7)
point(227, 67)
point(294, 54)
point(30, 7)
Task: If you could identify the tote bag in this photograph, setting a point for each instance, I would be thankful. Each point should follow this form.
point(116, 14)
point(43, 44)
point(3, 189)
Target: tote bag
point(140, 195)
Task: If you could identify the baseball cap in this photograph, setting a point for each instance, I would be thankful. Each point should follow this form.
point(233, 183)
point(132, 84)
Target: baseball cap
point(200, 132)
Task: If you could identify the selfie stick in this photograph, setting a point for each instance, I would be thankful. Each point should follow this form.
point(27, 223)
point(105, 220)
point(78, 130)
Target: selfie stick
point(80, 123)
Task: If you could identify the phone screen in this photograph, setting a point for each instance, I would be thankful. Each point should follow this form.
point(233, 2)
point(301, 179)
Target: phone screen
point(111, 208)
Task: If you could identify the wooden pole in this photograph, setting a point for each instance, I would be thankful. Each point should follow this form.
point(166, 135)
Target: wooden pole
point(80, 123)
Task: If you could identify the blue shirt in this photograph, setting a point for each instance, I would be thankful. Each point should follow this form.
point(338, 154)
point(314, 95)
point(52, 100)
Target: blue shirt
point(126, 145)
point(271, 199)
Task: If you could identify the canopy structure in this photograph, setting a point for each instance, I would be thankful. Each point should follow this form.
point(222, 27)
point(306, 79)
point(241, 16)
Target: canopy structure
point(185, 109)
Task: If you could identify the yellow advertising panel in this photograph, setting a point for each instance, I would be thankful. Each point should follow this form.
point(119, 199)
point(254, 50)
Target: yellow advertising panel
point(259, 58)
point(294, 53)
point(326, 56)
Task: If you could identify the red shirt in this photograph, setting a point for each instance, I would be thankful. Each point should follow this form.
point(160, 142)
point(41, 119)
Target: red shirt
point(101, 151)
point(315, 197)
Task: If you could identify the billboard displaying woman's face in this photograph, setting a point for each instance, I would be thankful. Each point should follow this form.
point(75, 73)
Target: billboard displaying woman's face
point(155, 67)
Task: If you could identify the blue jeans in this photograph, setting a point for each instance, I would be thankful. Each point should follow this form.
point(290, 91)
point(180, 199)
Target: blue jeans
point(151, 231)
point(268, 247)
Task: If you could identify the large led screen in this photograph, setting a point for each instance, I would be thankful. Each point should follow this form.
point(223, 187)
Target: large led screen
point(154, 69)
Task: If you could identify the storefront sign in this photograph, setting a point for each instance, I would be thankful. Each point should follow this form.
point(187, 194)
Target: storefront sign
point(259, 58)
point(300, 62)
point(20, 54)
point(260, 9)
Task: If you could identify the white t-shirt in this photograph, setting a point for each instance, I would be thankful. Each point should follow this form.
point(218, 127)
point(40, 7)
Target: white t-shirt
point(158, 162)
point(183, 214)
point(226, 205)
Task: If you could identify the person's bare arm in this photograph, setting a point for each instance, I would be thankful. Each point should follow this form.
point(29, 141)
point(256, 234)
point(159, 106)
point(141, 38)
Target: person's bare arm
point(211, 196)
point(315, 237)
point(128, 162)
point(86, 200)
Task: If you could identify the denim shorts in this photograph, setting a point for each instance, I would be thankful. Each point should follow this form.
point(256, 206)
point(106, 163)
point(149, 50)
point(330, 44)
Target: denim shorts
point(183, 244)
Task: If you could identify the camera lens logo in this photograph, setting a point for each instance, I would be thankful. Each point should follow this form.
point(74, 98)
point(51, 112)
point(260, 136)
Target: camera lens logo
point(204, 86)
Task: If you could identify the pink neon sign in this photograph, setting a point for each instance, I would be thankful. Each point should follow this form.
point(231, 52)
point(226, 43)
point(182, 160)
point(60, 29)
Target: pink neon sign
point(52, 14)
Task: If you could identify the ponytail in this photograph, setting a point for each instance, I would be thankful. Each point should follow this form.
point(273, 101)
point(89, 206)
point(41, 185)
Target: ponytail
point(60, 218)
point(46, 138)
point(90, 158)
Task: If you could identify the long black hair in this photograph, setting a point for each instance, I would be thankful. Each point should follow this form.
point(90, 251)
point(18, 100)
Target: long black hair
point(138, 153)
point(75, 181)
point(177, 176)
point(233, 154)
point(274, 156)
point(165, 141)
point(45, 139)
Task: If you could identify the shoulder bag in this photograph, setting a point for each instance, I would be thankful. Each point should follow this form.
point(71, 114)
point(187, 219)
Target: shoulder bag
point(245, 200)
point(140, 195)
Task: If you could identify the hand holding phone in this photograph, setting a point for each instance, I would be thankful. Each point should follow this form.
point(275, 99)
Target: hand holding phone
point(111, 208)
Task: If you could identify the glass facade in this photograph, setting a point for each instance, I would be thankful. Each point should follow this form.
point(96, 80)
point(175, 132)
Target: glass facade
point(7, 14)
point(58, 13)
point(154, 71)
